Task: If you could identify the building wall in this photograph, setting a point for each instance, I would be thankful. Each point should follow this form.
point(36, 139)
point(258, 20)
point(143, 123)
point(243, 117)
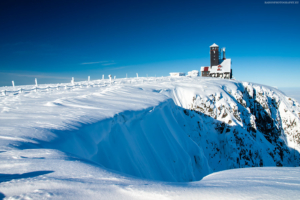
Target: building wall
point(205, 74)
point(214, 56)
point(177, 74)
point(226, 74)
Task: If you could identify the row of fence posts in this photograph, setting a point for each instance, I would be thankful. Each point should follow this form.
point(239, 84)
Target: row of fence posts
point(20, 90)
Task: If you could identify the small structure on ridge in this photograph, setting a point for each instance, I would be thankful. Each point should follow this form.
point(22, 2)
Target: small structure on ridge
point(193, 73)
point(218, 67)
point(175, 74)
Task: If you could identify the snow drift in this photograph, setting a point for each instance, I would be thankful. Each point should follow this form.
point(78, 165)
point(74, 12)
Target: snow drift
point(178, 129)
point(148, 143)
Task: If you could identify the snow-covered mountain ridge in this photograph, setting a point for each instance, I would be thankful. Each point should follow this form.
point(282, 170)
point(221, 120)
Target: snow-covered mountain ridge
point(254, 126)
point(170, 129)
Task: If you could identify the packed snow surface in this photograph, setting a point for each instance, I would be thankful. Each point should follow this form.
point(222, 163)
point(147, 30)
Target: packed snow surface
point(148, 138)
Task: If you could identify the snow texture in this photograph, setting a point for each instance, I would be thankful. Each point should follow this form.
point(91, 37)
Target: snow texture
point(122, 139)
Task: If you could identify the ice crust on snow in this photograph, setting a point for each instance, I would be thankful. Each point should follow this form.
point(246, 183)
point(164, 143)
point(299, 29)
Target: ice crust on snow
point(90, 138)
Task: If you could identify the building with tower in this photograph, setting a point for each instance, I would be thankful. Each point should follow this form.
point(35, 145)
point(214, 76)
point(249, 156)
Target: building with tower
point(220, 68)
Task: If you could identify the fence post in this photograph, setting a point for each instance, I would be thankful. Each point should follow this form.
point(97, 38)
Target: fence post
point(89, 78)
point(13, 84)
point(137, 75)
point(109, 76)
point(102, 76)
point(72, 81)
point(35, 82)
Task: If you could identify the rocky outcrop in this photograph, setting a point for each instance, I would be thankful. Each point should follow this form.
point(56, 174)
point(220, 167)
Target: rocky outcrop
point(248, 127)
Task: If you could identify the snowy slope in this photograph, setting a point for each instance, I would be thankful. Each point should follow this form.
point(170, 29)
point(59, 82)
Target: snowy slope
point(293, 92)
point(49, 174)
point(64, 140)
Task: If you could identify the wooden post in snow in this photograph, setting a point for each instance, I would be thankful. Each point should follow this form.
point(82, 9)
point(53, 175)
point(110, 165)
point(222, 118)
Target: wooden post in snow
point(109, 76)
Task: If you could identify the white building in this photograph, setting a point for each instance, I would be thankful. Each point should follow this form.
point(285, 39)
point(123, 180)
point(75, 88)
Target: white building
point(193, 73)
point(176, 74)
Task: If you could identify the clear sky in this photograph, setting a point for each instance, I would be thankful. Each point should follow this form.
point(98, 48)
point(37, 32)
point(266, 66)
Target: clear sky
point(56, 40)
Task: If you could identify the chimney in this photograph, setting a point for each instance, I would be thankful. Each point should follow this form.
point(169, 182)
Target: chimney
point(224, 56)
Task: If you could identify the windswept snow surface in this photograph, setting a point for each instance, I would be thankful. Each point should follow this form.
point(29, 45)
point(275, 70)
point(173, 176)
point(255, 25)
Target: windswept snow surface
point(96, 140)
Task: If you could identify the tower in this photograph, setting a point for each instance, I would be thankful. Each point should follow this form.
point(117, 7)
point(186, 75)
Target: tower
point(214, 55)
point(224, 56)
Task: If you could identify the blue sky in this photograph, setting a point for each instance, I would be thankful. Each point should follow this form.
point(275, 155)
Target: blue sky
point(56, 40)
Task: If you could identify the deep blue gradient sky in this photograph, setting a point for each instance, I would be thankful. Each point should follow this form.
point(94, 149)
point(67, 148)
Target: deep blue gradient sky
point(56, 40)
